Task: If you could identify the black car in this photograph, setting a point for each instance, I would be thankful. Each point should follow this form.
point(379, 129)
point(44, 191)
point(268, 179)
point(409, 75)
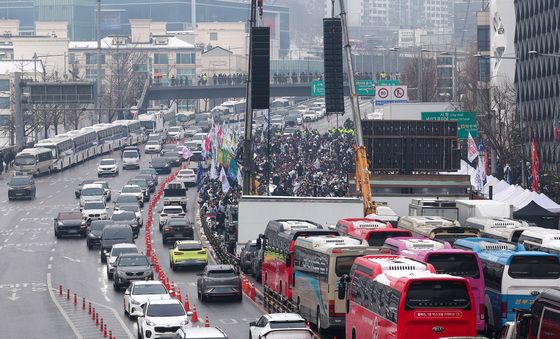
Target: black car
point(219, 281)
point(175, 158)
point(177, 229)
point(161, 165)
point(248, 252)
point(126, 199)
point(21, 187)
point(114, 234)
point(121, 217)
point(151, 179)
point(144, 185)
point(94, 232)
point(78, 190)
point(69, 223)
point(130, 267)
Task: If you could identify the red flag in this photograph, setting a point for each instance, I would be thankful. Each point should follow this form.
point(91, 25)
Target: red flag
point(535, 166)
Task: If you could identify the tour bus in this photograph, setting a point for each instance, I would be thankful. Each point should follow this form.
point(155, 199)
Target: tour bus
point(371, 230)
point(396, 297)
point(447, 260)
point(498, 228)
point(438, 228)
point(535, 238)
point(512, 275)
point(152, 122)
point(277, 256)
point(319, 262)
point(34, 161)
point(543, 320)
point(62, 150)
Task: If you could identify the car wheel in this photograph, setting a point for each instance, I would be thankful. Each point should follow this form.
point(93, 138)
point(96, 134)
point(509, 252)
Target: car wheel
point(116, 286)
point(89, 245)
point(199, 295)
point(140, 336)
point(109, 275)
point(57, 235)
point(318, 321)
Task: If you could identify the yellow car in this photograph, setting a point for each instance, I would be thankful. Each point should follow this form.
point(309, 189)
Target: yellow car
point(187, 253)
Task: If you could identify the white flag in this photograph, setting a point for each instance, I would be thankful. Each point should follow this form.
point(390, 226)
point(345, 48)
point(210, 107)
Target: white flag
point(472, 150)
point(239, 176)
point(224, 181)
point(266, 121)
point(186, 153)
point(213, 171)
point(317, 164)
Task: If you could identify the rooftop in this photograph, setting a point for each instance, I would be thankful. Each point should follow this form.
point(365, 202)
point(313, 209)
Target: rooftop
point(122, 42)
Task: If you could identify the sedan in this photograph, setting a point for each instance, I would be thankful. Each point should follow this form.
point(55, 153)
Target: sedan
point(187, 177)
point(136, 210)
point(219, 281)
point(139, 292)
point(161, 165)
point(151, 179)
point(94, 232)
point(134, 190)
point(126, 199)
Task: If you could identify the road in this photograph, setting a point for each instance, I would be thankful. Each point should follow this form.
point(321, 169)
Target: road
point(31, 255)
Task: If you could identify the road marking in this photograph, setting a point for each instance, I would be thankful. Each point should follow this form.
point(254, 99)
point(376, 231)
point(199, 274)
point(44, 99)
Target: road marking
point(49, 287)
point(52, 249)
point(50, 196)
point(40, 203)
point(28, 212)
point(71, 259)
point(49, 266)
point(117, 316)
point(51, 258)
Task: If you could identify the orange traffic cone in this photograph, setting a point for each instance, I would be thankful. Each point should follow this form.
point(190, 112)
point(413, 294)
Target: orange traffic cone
point(253, 292)
point(187, 306)
point(194, 317)
point(206, 322)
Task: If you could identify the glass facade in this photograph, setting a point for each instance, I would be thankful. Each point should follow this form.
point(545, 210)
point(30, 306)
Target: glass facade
point(161, 58)
point(4, 85)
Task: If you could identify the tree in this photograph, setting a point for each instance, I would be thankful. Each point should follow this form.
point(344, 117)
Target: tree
point(410, 76)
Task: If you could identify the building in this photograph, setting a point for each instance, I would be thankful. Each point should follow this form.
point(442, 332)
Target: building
point(409, 38)
point(537, 77)
point(231, 36)
point(218, 60)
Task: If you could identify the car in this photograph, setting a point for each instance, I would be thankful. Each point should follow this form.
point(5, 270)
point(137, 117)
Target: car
point(108, 167)
point(247, 254)
point(139, 292)
point(280, 325)
point(191, 131)
point(151, 179)
point(161, 165)
point(177, 228)
point(144, 185)
point(106, 187)
point(175, 133)
point(198, 137)
point(309, 116)
point(21, 187)
point(137, 212)
point(111, 235)
point(201, 333)
point(187, 177)
point(69, 223)
point(149, 171)
point(173, 157)
point(126, 199)
point(156, 136)
point(134, 190)
point(131, 158)
point(130, 267)
point(168, 212)
point(219, 281)
point(175, 193)
point(187, 253)
point(121, 217)
point(78, 190)
point(94, 210)
point(92, 192)
point(161, 318)
point(94, 232)
point(152, 146)
point(117, 250)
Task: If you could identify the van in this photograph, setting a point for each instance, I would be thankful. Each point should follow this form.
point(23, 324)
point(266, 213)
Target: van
point(131, 159)
point(34, 161)
point(114, 234)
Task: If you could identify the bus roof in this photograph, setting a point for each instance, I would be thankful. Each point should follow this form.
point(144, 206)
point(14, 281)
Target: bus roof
point(327, 244)
point(495, 222)
point(545, 235)
point(363, 223)
point(34, 151)
point(417, 244)
point(289, 225)
point(494, 250)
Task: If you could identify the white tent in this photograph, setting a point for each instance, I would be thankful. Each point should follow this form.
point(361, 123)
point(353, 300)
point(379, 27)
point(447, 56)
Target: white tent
point(521, 200)
point(505, 195)
point(547, 203)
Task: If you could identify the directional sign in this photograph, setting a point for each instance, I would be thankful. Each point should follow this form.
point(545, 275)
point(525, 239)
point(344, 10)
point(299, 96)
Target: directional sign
point(317, 88)
point(466, 121)
point(388, 83)
point(363, 88)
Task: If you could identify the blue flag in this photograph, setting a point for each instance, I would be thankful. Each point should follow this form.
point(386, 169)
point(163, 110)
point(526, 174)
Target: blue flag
point(199, 176)
point(232, 170)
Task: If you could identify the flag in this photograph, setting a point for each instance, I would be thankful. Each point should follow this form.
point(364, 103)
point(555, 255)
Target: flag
point(232, 170)
point(199, 176)
point(186, 153)
point(486, 169)
point(472, 150)
point(535, 167)
point(203, 148)
point(239, 176)
point(317, 164)
point(266, 122)
point(213, 170)
point(224, 181)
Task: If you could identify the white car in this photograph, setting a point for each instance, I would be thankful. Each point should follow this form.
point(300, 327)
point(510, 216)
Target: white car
point(95, 210)
point(106, 187)
point(290, 325)
point(187, 177)
point(199, 137)
point(152, 146)
point(117, 250)
point(133, 208)
point(175, 132)
point(134, 190)
point(161, 318)
point(107, 167)
point(170, 211)
point(309, 116)
point(92, 192)
point(139, 292)
point(201, 333)
point(131, 159)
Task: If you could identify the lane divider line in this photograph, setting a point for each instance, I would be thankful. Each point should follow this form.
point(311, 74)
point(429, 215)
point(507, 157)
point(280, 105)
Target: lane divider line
point(59, 307)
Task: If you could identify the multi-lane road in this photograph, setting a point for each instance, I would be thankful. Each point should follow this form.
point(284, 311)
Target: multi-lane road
point(33, 259)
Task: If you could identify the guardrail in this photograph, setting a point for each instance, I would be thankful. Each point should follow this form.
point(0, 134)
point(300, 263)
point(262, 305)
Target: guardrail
point(222, 255)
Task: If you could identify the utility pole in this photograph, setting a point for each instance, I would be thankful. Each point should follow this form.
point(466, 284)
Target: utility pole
point(193, 14)
point(248, 141)
point(18, 111)
point(98, 38)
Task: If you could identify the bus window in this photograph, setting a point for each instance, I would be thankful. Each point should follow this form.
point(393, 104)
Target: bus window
point(550, 324)
point(343, 265)
point(462, 265)
point(437, 294)
point(515, 236)
point(377, 239)
point(534, 267)
point(25, 160)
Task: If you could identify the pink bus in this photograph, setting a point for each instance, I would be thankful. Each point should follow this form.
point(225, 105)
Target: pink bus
point(445, 259)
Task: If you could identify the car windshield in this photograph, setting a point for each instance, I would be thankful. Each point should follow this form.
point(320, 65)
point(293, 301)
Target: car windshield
point(131, 208)
point(159, 161)
point(115, 252)
point(94, 205)
point(107, 162)
point(103, 184)
point(85, 182)
point(98, 225)
point(147, 171)
point(177, 222)
point(91, 192)
point(143, 289)
point(142, 183)
point(221, 274)
point(137, 260)
point(186, 172)
point(166, 310)
point(287, 324)
point(174, 129)
point(123, 216)
point(152, 142)
point(25, 160)
point(131, 189)
point(173, 210)
point(130, 154)
point(19, 181)
point(127, 199)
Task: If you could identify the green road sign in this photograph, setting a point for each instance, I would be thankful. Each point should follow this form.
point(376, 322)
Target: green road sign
point(466, 121)
point(363, 88)
point(388, 83)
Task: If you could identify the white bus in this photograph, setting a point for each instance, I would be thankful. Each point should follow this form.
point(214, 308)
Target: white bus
point(152, 122)
point(536, 237)
point(438, 228)
point(62, 151)
point(132, 132)
point(85, 141)
point(34, 161)
point(498, 228)
point(319, 263)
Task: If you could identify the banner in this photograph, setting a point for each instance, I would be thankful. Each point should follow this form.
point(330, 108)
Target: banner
point(472, 149)
point(535, 166)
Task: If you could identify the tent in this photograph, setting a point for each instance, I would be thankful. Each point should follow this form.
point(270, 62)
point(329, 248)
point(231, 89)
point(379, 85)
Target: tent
point(534, 213)
point(547, 203)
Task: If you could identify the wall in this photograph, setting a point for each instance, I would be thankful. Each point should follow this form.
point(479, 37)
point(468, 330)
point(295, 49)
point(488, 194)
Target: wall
point(229, 35)
point(52, 51)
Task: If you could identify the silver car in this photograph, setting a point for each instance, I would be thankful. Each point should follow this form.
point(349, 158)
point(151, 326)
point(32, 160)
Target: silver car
point(130, 267)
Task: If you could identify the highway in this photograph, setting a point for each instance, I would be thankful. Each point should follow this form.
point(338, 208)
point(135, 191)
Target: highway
point(32, 259)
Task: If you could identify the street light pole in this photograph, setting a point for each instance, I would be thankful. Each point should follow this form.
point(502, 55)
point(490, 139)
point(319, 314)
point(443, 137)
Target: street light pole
point(98, 38)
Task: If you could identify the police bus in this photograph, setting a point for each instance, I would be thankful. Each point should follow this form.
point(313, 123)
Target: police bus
point(438, 228)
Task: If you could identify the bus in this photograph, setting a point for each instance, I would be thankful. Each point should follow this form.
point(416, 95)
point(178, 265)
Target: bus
point(319, 263)
point(512, 275)
point(535, 238)
point(132, 131)
point(390, 296)
point(34, 161)
point(446, 260)
point(85, 141)
point(62, 150)
point(183, 118)
point(277, 255)
point(235, 107)
point(104, 137)
point(371, 230)
point(437, 228)
point(543, 320)
point(152, 122)
point(498, 228)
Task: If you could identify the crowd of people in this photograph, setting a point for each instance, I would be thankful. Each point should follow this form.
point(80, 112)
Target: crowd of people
point(7, 158)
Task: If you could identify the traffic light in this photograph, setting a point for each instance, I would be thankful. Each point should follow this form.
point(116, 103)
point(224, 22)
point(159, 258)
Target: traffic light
point(260, 72)
point(334, 68)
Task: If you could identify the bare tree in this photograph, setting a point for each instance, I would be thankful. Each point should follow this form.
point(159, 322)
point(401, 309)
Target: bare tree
point(427, 86)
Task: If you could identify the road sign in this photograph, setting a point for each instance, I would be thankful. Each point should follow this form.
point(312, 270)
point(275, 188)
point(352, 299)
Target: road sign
point(383, 93)
point(399, 93)
point(363, 88)
point(466, 121)
point(390, 95)
point(317, 88)
point(388, 83)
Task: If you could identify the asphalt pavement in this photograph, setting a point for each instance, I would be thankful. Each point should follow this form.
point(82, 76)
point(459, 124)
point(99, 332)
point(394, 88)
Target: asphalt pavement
point(33, 259)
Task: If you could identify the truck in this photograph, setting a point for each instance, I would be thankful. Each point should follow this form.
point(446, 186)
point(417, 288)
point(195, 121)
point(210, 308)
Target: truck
point(175, 193)
point(482, 208)
point(256, 211)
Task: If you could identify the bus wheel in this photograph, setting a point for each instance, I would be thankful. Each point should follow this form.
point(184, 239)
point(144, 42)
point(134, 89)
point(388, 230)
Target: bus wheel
point(353, 334)
point(318, 321)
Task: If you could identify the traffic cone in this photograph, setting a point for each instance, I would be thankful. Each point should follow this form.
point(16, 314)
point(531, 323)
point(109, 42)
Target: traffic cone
point(206, 322)
point(187, 306)
point(178, 294)
point(194, 317)
point(253, 293)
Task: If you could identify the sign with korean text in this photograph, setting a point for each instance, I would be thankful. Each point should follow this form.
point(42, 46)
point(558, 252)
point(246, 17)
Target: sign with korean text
point(466, 121)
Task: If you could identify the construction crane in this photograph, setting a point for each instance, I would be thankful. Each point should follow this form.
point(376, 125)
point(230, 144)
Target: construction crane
point(363, 175)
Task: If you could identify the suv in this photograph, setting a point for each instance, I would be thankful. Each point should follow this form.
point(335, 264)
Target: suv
point(114, 234)
point(139, 292)
point(248, 253)
point(177, 228)
point(284, 324)
point(92, 192)
point(130, 267)
point(152, 146)
point(117, 250)
point(144, 185)
point(107, 167)
point(69, 223)
point(219, 281)
point(78, 190)
point(21, 187)
point(106, 187)
point(94, 210)
point(201, 333)
point(94, 232)
point(161, 318)
point(169, 212)
point(136, 191)
point(131, 158)
point(121, 217)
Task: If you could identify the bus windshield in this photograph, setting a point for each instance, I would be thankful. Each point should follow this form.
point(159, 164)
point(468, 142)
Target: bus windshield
point(534, 267)
point(437, 294)
point(458, 264)
point(24, 160)
point(343, 265)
